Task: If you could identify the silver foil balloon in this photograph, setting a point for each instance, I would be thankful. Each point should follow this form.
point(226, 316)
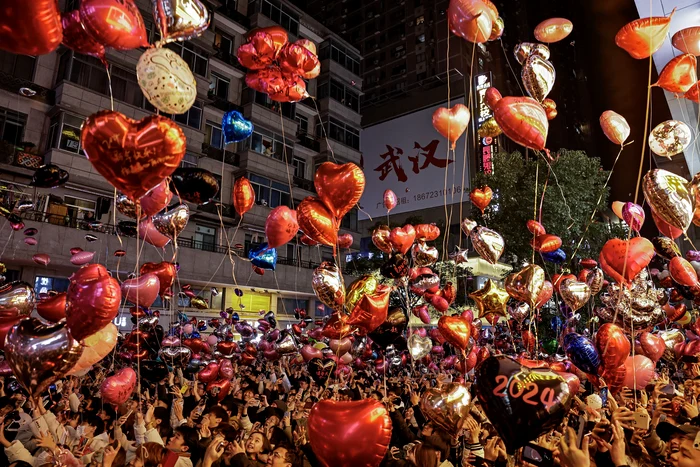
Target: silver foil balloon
point(127, 207)
point(171, 223)
point(447, 407)
point(329, 286)
point(147, 322)
point(179, 20)
point(524, 50)
point(286, 345)
point(24, 205)
point(419, 346)
point(39, 354)
point(638, 307)
point(17, 300)
point(423, 255)
point(176, 356)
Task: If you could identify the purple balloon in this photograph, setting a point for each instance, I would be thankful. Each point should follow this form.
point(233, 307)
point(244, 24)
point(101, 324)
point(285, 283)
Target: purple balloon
point(633, 215)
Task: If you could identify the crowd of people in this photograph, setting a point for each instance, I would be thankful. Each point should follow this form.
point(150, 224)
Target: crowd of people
point(263, 421)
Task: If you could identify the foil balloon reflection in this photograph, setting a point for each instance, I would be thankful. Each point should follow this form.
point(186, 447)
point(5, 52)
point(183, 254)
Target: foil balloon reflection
point(263, 257)
point(179, 20)
point(235, 127)
point(670, 138)
point(447, 407)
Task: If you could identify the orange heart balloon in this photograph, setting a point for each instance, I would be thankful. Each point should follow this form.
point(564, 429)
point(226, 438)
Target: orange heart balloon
point(545, 294)
point(380, 238)
point(546, 243)
point(615, 127)
point(481, 197)
point(682, 272)
point(642, 37)
point(522, 119)
point(317, 222)
point(427, 232)
point(53, 308)
point(456, 330)
point(557, 279)
point(30, 28)
point(340, 187)
point(535, 227)
point(623, 260)
point(472, 20)
point(243, 195)
point(371, 311)
point(679, 74)
point(687, 40)
point(553, 30)
point(134, 156)
point(451, 123)
point(402, 238)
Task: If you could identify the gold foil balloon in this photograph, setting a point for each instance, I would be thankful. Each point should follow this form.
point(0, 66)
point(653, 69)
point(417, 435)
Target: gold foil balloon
point(166, 80)
point(171, 223)
point(179, 20)
point(39, 354)
point(637, 307)
point(467, 226)
point(526, 284)
point(329, 286)
point(670, 197)
point(538, 77)
point(665, 247)
point(362, 286)
point(595, 280)
point(488, 243)
point(96, 347)
point(614, 126)
point(574, 293)
point(671, 338)
point(419, 346)
point(670, 138)
point(490, 299)
point(553, 30)
point(380, 238)
point(526, 49)
point(447, 407)
point(423, 255)
point(489, 129)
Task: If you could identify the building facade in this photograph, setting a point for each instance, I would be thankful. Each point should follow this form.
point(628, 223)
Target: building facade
point(44, 101)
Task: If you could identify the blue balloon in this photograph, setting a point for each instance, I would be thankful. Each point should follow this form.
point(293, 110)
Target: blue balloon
point(582, 353)
point(235, 317)
point(556, 322)
point(195, 335)
point(235, 127)
point(557, 256)
point(263, 257)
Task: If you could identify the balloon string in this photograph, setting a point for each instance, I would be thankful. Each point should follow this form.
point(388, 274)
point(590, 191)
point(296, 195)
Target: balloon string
point(561, 190)
point(600, 198)
point(323, 129)
point(534, 210)
point(111, 94)
point(505, 54)
point(447, 152)
point(464, 159)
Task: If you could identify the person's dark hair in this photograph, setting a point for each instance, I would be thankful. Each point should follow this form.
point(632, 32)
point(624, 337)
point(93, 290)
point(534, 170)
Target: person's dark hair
point(425, 455)
point(97, 422)
point(231, 404)
point(293, 456)
point(229, 432)
point(219, 412)
point(191, 439)
point(266, 447)
point(20, 464)
point(438, 442)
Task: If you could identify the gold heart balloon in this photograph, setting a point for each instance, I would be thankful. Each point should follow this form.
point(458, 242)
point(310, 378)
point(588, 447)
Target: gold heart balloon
point(380, 238)
point(364, 285)
point(595, 280)
point(526, 284)
point(524, 50)
point(419, 346)
point(670, 196)
point(538, 77)
point(487, 243)
point(447, 407)
point(671, 337)
point(574, 293)
point(329, 286)
point(490, 299)
point(171, 223)
point(180, 19)
point(423, 255)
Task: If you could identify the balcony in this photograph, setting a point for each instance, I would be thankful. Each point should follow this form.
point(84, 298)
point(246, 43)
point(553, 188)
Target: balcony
point(230, 59)
point(25, 88)
point(227, 210)
point(19, 156)
point(217, 154)
point(222, 103)
point(230, 12)
point(309, 141)
point(304, 184)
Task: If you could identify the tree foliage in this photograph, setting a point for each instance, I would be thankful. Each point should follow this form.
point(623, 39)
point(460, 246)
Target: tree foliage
point(573, 184)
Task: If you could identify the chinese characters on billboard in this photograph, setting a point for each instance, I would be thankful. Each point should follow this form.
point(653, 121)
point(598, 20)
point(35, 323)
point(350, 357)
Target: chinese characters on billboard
point(408, 156)
point(487, 146)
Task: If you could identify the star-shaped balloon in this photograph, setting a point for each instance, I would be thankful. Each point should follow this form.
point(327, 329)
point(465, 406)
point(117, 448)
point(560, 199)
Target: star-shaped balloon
point(491, 299)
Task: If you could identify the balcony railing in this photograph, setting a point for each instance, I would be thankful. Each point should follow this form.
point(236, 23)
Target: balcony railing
point(309, 141)
point(222, 103)
point(304, 184)
point(217, 154)
point(230, 59)
point(109, 229)
point(230, 12)
point(14, 85)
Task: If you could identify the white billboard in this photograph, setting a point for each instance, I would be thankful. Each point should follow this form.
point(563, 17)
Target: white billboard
point(408, 156)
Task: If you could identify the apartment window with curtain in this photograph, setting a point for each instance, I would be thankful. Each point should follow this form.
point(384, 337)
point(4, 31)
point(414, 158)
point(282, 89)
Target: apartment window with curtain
point(270, 193)
point(213, 135)
point(64, 132)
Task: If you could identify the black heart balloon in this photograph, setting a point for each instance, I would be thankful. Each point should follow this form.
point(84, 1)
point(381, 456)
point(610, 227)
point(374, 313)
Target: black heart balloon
point(270, 318)
point(49, 176)
point(520, 402)
point(396, 267)
point(127, 228)
point(194, 185)
point(320, 370)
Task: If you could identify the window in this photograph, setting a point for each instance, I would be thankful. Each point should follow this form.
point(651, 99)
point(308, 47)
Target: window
point(291, 251)
point(191, 118)
point(189, 160)
point(195, 57)
point(223, 43)
point(44, 284)
point(341, 55)
point(270, 193)
point(350, 220)
point(12, 126)
point(19, 66)
point(252, 241)
point(125, 87)
point(219, 86)
point(288, 109)
point(270, 144)
point(302, 124)
point(205, 238)
point(281, 15)
point(339, 92)
point(288, 305)
point(213, 135)
point(64, 132)
point(342, 132)
point(299, 167)
point(420, 20)
point(79, 208)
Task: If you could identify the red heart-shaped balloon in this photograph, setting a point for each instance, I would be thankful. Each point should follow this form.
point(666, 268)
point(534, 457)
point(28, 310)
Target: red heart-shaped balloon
point(30, 28)
point(134, 156)
point(623, 261)
point(226, 347)
point(427, 232)
point(92, 300)
point(401, 238)
point(75, 37)
point(451, 123)
point(281, 226)
point(349, 433)
point(674, 313)
point(208, 373)
point(53, 308)
point(371, 311)
point(523, 120)
point(309, 352)
point(682, 272)
point(340, 187)
point(613, 346)
point(117, 388)
point(481, 197)
point(142, 290)
point(652, 345)
point(114, 23)
point(546, 243)
point(219, 388)
point(456, 330)
point(317, 221)
point(165, 271)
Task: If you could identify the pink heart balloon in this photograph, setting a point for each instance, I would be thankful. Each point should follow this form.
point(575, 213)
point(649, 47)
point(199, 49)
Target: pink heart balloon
point(82, 257)
point(652, 345)
point(117, 388)
point(640, 370)
point(340, 346)
point(157, 199)
point(308, 352)
point(142, 290)
point(633, 215)
point(148, 232)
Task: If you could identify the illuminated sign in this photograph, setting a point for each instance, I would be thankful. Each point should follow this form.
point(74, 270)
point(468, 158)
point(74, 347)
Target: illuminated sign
point(487, 146)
